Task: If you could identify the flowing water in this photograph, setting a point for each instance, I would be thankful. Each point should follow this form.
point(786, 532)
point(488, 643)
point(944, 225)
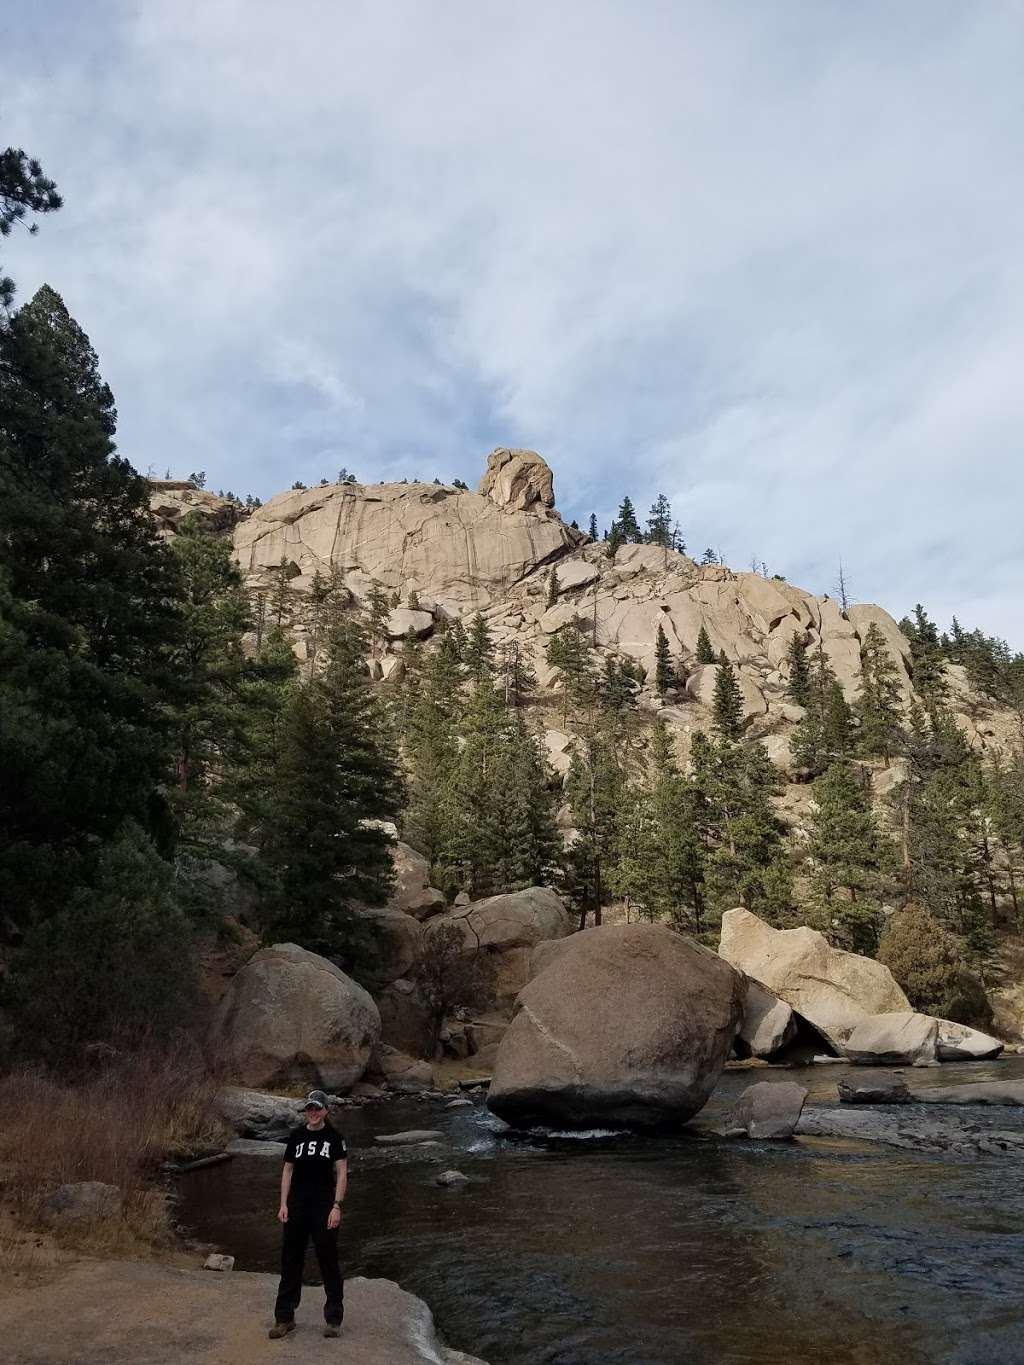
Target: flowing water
point(605, 1249)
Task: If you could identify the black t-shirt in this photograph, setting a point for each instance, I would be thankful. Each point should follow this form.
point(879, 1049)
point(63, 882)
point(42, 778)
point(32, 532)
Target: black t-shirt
point(314, 1152)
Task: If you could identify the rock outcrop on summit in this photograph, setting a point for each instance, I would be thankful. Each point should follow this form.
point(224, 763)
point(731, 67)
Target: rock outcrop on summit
point(455, 552)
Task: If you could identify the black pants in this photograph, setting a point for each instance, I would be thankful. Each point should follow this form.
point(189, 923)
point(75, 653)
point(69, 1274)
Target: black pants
point(305, 1221)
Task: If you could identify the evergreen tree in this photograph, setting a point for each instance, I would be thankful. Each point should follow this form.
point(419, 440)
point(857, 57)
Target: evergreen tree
point(929, 963)
point(113, 967)
point(708, 557)
point(479, 652)
point(594, 787)
point(664, 671)
point(727, 706)
point(24, 189)
point(568, 652)
point(926, 654)
point(629, 527)
point(798, 685)
point(745, 862)
point(847, 858)
point(659, 856)
point(615, 687)
point(377, 617)
point(553, 588)
point(430, 749)
point(336, 777)
point(515, 672)
point(826, 732)
point(705, 653)
point(88, 611)
point(614, 540)
point(880, 703)
point(593, 526)
point(279, 593)
point(659, 523)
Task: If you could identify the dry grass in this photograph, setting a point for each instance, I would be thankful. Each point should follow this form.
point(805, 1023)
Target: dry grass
point(116, 1126)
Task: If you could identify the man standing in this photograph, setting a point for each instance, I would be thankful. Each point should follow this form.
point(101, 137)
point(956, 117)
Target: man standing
point(313, 1183)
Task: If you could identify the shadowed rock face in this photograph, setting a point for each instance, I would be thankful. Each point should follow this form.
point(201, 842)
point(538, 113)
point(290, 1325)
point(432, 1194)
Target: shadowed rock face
point(626, 1024)
point(290, 1017)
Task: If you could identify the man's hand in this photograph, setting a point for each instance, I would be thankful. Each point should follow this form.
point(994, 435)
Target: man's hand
point(334, 1218)
point(282, 1214)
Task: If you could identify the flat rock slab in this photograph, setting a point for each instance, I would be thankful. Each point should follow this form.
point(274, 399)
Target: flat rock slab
point(916, 1131)
point(252, 1147)
point(406, 1139)
point(137, 1313)
point(973, 1092)
point(878, 1092)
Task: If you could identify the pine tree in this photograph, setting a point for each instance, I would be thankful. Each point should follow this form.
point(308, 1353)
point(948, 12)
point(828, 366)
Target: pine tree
point(553, 588)
point(727, 706)
point(659, 522)
point(594, 787)
point(705, 653)
point(664, 671)
point(88, 612)
point(798, 685)
point(826, 733)
point(928, 664)
point(614, 540)
point(659, 856)
point(430, 748)
point(929, 963)
point(880, 702)
point(515, 673)
point(593, 526)
point(478, 655)
point(848, 859)
point(568, 652)
point(746, 862)
point(708, 557)
point(24, 189)
point(629, 527)
point(377, 618)
point(113, 967)
point(336, 777)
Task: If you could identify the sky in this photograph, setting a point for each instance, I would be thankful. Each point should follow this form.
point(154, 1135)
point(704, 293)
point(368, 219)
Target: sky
point(766, 259)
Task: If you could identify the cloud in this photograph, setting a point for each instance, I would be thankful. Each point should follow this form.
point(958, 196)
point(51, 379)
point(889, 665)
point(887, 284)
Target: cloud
point(765, 260)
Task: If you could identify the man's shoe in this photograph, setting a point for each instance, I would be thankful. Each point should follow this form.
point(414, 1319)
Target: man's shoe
point(281, 1329)
point(332, 1329)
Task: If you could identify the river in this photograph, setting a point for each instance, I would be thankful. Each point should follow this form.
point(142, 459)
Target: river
point(604, 1249)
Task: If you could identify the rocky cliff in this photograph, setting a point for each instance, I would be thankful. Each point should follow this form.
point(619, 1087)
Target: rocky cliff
point(493, 551)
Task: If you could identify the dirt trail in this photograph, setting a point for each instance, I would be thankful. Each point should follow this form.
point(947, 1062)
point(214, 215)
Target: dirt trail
point(139, 1313)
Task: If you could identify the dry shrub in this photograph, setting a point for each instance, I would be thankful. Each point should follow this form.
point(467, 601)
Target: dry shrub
point(116, 1126)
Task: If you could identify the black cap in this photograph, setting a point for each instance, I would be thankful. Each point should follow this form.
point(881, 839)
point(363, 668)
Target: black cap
point(316, 1099)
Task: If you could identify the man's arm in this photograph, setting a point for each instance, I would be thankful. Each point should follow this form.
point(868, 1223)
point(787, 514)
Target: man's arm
point(340, 1186)
point(286, 1184)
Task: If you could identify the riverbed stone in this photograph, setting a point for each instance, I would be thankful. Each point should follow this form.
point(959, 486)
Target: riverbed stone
point(628, 1024)
point(768, 1023)
point(832, 989)
point(873, 1092)
point(253, 1147)
point(256, 1114)
point(218, 1261)
point(899, 1038)
point(409, 1138)
point(451, 1179)
point(768, 1109)
point(972, 1092)
point(291, 1017)
point(958, 1043)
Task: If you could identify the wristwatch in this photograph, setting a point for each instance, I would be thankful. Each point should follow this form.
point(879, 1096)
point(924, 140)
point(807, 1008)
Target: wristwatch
point(337, 1203)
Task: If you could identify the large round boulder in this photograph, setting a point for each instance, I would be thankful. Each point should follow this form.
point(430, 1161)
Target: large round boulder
point(626, 1024)
point(290, 1017)
point(507, 929)
point(832, 989)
